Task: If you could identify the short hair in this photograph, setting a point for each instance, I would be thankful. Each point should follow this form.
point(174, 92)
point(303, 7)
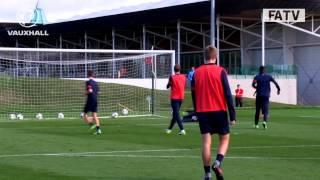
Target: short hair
point(210, 52)
point(177, 68)
point(238, 84)
point(90, 73)
point(261, 69)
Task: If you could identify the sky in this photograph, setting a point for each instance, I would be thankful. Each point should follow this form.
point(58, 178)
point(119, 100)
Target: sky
point(63, 10)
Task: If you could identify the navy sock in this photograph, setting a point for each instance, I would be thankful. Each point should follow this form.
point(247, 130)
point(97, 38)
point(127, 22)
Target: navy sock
point(220, 158)
point(206, 169)
point(98, 127)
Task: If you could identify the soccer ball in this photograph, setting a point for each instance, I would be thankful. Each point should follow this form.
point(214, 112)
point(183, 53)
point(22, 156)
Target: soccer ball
point(194, 118)
point(81, 115)
point(115, 115)
point(12, 116)
point(60, 115)
point(125, 111)
point(20, 116)
point(39, 116)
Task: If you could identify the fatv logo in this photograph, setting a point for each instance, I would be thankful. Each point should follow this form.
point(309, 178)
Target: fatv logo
point(29, 19)
point(284, 15)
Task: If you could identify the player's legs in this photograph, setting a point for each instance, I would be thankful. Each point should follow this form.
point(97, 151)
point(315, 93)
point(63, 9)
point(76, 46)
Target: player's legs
point(86, 118)
point(258, 108)
point(176, 104)
point(179, 121)
point(241, 102)
point(173, 120)
point(97, 121)
point(236, 100)
point(265, 108)
point(206, 153)
point(172, 123)
point(265, 111)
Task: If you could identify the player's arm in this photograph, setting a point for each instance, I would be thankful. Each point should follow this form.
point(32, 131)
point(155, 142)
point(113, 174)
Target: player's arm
point(89, 88)
point(254, 83)
point(228, 97)
point(275, 83)
point(169, 82)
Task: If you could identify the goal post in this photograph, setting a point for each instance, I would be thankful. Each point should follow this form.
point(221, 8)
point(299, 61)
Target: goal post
point(52, 81)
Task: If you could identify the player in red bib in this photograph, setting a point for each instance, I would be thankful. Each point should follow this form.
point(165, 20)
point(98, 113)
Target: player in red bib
point(213, 98)
point(239, 96)
point(177, 83)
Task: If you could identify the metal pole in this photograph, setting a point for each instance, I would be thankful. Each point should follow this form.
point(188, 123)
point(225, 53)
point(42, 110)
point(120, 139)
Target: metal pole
point(17, 56)
point(179, 42)
point(218, 41)
point(173, 60)
point(85, 54)
point(60, 44)
point(212, 22)
point(38, 46)
point(144, 48)
point(263, 42)
point(113, 47)
point(241, 47)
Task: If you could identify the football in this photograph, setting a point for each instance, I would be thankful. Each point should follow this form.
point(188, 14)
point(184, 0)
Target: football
point(125, 111)
point(60, 115)
point(12, 116)
point(194, 118)
point(39, 116)
point(20, 116)
point(114, 115)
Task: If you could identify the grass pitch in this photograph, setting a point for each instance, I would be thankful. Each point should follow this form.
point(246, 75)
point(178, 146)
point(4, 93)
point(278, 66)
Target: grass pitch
point(138, 149)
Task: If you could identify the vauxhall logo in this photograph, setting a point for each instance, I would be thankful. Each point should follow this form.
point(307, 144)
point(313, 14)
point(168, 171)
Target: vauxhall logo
point(34, 18)
point(27, 33)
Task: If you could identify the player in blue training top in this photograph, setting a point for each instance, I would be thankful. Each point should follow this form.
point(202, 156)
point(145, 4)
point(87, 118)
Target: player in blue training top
point(92, 91)
point(261, 83)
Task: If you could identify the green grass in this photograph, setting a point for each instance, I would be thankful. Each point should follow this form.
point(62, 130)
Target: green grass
point(49, 96)
point(288, 150)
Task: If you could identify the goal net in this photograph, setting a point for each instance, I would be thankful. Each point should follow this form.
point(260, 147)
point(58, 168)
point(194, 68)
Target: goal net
point(52, 81)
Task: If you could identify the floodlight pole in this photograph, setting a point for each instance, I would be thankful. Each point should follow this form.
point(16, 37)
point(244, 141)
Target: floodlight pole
point(213, 22)
point(263, 41)
point(179, 41)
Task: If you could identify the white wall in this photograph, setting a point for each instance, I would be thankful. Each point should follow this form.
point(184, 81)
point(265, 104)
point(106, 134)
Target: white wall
point(288, 86)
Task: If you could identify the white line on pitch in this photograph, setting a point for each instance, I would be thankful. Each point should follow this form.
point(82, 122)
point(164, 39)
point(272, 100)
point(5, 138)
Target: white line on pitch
point(105, 153)
point(284, 146)
point(190, 156)
point(88, 153)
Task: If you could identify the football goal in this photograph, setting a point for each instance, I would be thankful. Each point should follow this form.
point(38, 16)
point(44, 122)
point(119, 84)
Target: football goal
point(52, 81)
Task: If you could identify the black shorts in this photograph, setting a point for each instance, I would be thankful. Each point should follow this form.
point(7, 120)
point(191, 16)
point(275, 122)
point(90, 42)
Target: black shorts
point(262, 103)
point(214, 122)
point(91, 106)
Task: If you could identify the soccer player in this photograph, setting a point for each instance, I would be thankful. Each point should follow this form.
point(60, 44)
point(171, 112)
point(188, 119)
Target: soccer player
point(239, 96)
point(92, 91)
point(261, 83)
point(213, 98)
point(190, 74)
point(177, 83)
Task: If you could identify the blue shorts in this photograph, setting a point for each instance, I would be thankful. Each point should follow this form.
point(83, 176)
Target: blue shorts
point(214, 122)
point(91, 106)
